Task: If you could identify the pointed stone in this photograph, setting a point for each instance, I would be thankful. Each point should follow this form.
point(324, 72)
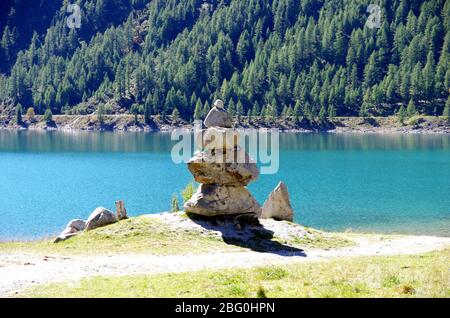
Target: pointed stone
point(278, 205)
point(220, 200)
point(121, 211)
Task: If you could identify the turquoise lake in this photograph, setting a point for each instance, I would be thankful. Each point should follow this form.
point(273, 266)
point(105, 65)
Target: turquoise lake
point(363, 182)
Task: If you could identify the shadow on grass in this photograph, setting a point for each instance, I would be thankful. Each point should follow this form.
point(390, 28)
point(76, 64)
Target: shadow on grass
point(245, 231)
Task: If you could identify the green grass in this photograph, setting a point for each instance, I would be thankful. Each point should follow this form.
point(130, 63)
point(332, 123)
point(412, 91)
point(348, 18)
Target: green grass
point(394, 276)
point(136, 235)
point(153, 236)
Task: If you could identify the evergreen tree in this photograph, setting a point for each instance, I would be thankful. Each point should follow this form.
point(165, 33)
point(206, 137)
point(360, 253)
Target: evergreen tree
point(401, 115)
point(19, 112)
point(231, 108)
point(446, 112)
point(322, 114)
point(331, 111)
point(411, 110)
point(175, 115)
point(239, 111)
point(317, 53)
point(48, 115)
point(135, 111)
point(198, 112)
point(101, 114)
point(206, 109)
point(148, 110)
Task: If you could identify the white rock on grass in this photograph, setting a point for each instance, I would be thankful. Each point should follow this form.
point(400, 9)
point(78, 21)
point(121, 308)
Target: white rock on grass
point(73, 228)
point(100, 217)
point(79, 225)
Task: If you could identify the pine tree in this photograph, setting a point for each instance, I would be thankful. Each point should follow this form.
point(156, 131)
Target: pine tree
point(331, 111)
point(135, 111)
point(239, 111)
point(401, 115)
point(175, 115)
point(446, 112)
point(198, 112)
point(231, 108)
point(206, 109)
point(411, 110)
point(101, 114)
point(19, 111)
point(255, 110)
point(363, 111)
point(48, 115)
point(322, 114)
point(148, 110)
point(314, 52)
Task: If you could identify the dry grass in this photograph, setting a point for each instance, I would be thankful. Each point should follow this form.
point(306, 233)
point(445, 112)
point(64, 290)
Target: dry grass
point(395, 276)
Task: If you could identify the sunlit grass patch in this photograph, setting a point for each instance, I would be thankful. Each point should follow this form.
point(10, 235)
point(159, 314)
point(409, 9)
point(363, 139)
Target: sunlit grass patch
point(377, 276)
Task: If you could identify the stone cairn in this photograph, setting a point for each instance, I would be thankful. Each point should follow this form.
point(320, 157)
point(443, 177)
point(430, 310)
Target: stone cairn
point(223, 170)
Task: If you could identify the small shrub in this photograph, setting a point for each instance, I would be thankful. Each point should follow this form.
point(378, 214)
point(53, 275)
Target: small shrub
point(273, 273)
point(30, 114)
point(175, 206)
point(187, 192)
point(408, 289)
point(261, 292)
point(391, 280)
point(415, 121)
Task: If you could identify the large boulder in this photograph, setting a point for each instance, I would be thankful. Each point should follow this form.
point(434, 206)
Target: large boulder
point(278, 205)
point(73, 228)
point(208, 168)
point(100, 217)
point(218, 117)
point(220, 200)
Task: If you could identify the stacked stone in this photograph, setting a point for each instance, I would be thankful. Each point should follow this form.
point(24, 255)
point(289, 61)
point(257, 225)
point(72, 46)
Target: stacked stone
point(223, 171)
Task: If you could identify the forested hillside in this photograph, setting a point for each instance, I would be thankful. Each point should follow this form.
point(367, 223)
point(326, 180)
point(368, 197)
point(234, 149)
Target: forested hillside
point(263, 57)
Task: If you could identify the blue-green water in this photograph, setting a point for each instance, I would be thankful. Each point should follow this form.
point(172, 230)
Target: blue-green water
point(370, 183)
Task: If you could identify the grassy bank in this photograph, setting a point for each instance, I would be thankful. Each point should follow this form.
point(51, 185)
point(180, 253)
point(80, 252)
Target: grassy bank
point(154, 236)
point(395, 276)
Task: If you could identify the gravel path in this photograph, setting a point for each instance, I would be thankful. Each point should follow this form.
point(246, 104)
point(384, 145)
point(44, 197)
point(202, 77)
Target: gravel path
point(19, 271)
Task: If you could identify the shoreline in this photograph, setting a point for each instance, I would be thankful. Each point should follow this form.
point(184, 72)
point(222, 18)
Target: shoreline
point(126, 123)
point(50, 237)
point(22, 267)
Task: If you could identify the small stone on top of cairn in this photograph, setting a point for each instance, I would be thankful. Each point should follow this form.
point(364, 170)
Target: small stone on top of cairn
point(218, 116)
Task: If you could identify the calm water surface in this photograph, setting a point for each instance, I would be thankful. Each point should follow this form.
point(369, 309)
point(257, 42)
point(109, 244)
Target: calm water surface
point(371, 183)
